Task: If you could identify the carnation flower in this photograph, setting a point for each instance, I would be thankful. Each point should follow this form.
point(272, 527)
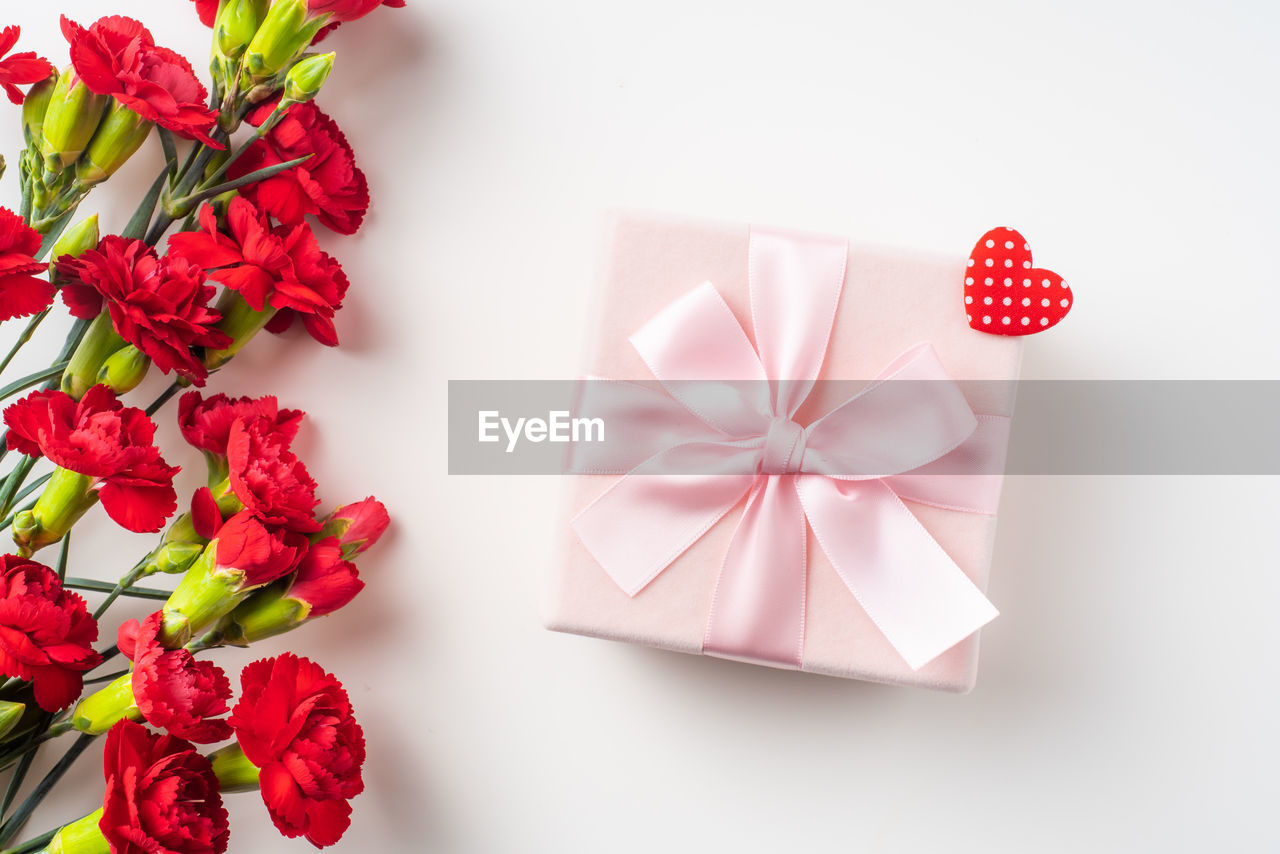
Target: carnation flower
point(256, 552)
point(46, 633)
point(20, 68)
point(325, 582)
point(294, 723)
point(173, 690)
point(268, 478)
point(162, 796)
point(281, 268)
point(357, 526)
point(207, 10)
point(206, 422)
point(160, 305)
point(108, 443)
point(117, 56)
point(328, 185)
point(21, 291)
point(348, 10)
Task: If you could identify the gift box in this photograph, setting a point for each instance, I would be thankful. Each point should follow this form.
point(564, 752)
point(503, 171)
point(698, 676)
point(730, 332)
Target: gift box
point(814, 559)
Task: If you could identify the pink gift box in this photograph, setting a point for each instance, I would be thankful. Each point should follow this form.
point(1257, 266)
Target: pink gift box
point(892, 300)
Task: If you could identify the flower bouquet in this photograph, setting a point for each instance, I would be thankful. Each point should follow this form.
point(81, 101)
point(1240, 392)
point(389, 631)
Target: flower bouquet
point(221, 247)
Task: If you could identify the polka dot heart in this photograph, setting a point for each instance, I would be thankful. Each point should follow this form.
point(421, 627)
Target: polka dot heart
point(1004, 294)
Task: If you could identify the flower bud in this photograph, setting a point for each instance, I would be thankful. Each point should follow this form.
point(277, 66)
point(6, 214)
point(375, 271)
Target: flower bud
point(77, 240)
point(34, 108)
point(268, 612)
point(285, 33)
point(233, 769)
point(124, 370)
point(106, 707)
point(82, 836)
point(356, 526)
point(237, 23)
point(119, 135)
point(304, 80)
point(174, 558)
point(66, 497)
point(99, 342)
point(70, 121)
point(10, 716)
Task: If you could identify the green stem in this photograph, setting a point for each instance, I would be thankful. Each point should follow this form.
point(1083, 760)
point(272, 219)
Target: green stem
point(120, 587)
point(165, 397)
point(49, 373)
point(116, 590)
point(14, 823)
point(63, 554)
point(31, 846)
point(265, 128)
point(12, 482)
point(24, 337)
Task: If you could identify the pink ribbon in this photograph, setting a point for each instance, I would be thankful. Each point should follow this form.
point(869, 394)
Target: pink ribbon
point(704, 450)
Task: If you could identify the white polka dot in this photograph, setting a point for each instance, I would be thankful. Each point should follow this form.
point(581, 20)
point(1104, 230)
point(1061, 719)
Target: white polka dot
point(1025, 321)
point(1008, 301)
point(968, 300)
point(1044, 321)
point(986, 318)
point(1045, 302)
point(1026, 283)
point(970, 262)
point(1064, 284)
point(986, 301)
point(969, 317)
point(969, 280)
point(1066, 302)
point(988, 281)
point(1008, 262)
point(1005, 321)
point(1026, 246)
point(990, 262)
point(1026, 265)
point(1008, 244)
point(1008, 282)
point(990, 243)
point(1026, 300)
point(1046, 283)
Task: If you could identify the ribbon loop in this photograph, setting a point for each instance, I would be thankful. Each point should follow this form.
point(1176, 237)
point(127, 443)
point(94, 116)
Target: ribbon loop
point(843, 473)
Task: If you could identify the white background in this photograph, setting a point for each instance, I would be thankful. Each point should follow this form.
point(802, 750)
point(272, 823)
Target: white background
point(1127, 699)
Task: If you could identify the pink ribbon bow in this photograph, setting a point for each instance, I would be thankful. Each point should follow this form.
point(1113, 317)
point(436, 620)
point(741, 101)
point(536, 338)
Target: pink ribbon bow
point(707, 444)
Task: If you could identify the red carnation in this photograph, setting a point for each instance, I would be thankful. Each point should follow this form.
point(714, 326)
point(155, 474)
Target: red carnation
point(358, 526)
point(329, 184)
point(21, 68)
point(117, 56)
point(207, 10)
point(268, 478)
point(347, 10)
point(101, 438)
point(46, 633)
point(21, 291)
point(172, 690)
point(160, 305)
point(294, 722)
point(325, 581)
point(282, 267)
point(206, 422)
point(162, 796)
point(316, 291)
point(263, 553)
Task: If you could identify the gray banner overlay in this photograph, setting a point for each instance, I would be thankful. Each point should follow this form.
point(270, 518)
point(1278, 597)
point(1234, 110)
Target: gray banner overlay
point(1128, 427)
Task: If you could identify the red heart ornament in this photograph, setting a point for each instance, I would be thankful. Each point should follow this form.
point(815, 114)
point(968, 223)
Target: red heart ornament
point(1004, 294)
